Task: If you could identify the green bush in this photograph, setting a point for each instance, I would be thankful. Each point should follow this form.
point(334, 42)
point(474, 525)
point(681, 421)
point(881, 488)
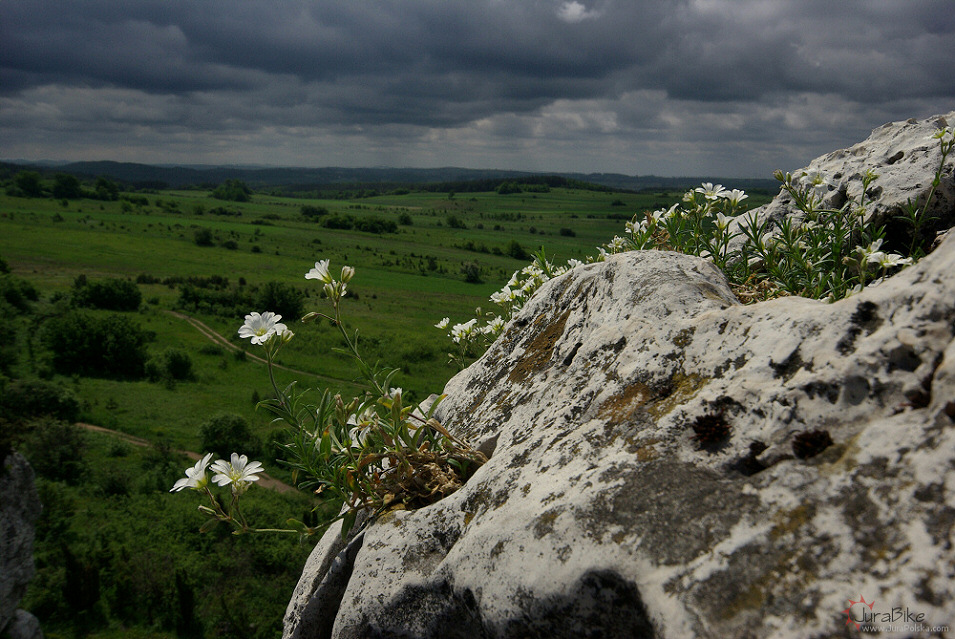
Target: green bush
point(312, 212)
point(341, 222)
point(110, 294)
point(227, 433)
point(233, 191)
point(25, 399)
point(17, 292)
point(282, 298)
point(173, 364)
point(375, 225)
point(203, 237)
point(111, 346)
point(54, 449)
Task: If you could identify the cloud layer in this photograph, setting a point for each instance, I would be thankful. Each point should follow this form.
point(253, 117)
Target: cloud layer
point(670, 87)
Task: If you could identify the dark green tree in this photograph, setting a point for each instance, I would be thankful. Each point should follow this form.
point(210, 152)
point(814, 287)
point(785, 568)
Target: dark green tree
point(227, 433)
point(66, 187)
point(233, 191)
point(29, 183)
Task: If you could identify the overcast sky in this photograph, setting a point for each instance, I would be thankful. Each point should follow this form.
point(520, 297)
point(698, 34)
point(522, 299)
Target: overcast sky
point(729, 88)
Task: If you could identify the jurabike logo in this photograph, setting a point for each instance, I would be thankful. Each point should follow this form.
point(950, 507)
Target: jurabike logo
point(864, 616)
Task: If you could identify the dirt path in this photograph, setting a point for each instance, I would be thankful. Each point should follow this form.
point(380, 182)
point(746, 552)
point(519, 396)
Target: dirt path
point(265, 481)
point(219, 339)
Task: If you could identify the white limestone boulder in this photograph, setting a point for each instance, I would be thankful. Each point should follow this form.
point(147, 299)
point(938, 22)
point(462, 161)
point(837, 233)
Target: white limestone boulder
point(612, 506)
point(905, 155)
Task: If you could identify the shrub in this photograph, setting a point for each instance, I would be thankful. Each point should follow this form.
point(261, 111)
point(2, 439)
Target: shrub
point(455, 223)
point(25, 399)
point(312, 212)
point(282, 298)
point(111, 346)
point(203, 237)
point(375, 225)
point(173, 364)
point(472, 272)
point(233, 191)
point(110, 294)
point(341, 222)
point(405, 219)
point(566, 232)
point(18, 293)
point(515, 250)
point(226, 433)
point(54, 449)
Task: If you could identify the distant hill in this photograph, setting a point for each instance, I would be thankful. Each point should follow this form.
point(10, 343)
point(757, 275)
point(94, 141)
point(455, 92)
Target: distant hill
point(301, 179)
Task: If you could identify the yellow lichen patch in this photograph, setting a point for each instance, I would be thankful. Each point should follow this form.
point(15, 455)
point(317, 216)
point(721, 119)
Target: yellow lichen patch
point(621, 406)
point(682, 388)
point(539, 352)
point(789, 521)
point(645, 449)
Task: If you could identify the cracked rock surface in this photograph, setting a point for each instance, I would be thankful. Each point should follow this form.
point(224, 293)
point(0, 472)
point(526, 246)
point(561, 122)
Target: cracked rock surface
point(669, 463)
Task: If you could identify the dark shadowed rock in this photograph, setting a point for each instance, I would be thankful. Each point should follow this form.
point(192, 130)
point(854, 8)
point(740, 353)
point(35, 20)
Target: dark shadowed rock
point(19, 509)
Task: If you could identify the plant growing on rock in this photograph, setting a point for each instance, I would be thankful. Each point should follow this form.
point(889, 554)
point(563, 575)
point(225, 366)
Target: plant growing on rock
point(821, 253)
point(367, 453)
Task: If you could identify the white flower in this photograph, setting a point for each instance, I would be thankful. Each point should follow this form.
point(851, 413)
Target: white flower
point(320, 272)
point(710, 191)
point(461, 331)
point(617, 244)
point(735, 197)
point(889, 260)
point(494, 327)
point(261, 327)
point(722, 221)
point(347, 273)
point(573, 263)
point(239, 472)
point(443, 324)
point(195, 477)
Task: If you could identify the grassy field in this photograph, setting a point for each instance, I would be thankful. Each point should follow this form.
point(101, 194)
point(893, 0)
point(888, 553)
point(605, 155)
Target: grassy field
point(405, 281)
point(116, 516)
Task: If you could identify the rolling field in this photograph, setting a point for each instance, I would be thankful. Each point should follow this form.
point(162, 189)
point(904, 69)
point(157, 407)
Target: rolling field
point(405, 281)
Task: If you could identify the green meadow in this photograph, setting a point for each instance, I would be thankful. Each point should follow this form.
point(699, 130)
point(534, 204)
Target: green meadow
point(110, 530)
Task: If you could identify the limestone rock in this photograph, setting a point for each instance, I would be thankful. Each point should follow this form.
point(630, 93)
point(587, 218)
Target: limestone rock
point(23, 626)
point(660, 467)
point(19, 509)
point(905, 155)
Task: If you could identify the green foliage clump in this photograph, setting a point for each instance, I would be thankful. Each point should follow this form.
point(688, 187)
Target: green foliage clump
point(66, 187)
point(376, 225)
point(54, 448)
point(339, 222)
point(312, 212)
point(112, 346)
point(28, 184)
point(111, 294)
point(25, 399)
point(172, 365)
point(233, 191)
point(226, 433)
point(471, 272)
point(203, 237)
point(17, 292)
point(282, 298)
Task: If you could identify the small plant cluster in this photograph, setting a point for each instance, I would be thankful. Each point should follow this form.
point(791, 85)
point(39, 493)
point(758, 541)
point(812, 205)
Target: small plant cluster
point(369, 453)
point(822, 253)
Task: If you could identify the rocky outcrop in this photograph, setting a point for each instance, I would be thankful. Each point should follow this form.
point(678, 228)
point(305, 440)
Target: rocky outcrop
point(905, 156)
point(19, 509)
point(669, 463)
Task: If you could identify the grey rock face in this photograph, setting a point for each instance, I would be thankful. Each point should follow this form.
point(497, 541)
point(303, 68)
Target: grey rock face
point(669, 463)
point(19, 509)
point(645, 481)
point(24, 626)
point(905, 155)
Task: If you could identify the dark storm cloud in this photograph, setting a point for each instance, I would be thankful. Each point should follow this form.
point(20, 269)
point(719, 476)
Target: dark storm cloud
point(614, 78)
